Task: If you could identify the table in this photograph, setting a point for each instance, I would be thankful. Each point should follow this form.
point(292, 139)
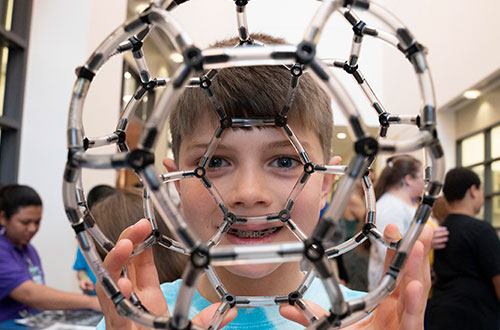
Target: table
point(54, 320)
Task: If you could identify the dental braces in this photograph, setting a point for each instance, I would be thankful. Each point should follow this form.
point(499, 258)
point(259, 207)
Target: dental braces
point(205, 255)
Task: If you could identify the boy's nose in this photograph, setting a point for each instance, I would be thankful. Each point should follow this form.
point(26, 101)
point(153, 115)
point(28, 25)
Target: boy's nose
point(249, 188)
point(32, 227)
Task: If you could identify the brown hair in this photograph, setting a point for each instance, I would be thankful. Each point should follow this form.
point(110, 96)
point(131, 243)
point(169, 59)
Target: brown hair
point(122, 209)
point(397, 168)
point(440, 209)
point(255, 92)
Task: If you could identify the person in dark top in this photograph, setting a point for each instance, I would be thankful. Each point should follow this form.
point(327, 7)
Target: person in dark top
point(467, 290)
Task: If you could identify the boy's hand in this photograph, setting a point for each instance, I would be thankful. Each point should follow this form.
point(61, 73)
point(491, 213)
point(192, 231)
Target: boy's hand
point(405, 307)
point(143, 279)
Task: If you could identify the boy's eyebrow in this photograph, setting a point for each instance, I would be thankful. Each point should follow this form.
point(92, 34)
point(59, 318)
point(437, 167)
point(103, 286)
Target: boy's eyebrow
point(274, 144)
point(30, 220)
point(287, 143)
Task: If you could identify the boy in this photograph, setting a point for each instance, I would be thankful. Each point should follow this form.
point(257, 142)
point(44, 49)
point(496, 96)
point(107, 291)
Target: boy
point(466, 294)
point(255, 169)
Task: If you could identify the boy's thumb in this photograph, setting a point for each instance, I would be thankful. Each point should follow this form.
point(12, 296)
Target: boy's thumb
point(210, 315)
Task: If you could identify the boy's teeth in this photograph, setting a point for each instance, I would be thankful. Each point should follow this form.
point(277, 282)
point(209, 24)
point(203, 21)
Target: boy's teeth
point(253, 234)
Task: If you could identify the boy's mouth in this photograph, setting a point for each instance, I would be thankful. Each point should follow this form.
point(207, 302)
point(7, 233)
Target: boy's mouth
point(253, 233)
point(240, 236)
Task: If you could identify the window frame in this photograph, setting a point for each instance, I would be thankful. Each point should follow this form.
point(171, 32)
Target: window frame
point(17, 41)
point(489, 194)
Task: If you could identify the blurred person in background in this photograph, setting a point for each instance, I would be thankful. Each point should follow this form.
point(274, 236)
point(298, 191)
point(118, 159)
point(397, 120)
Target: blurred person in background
point(397, 191)
point(22, 281)
point(355, 262)
point(85, 276)
point(124, 208)
point(466, 292)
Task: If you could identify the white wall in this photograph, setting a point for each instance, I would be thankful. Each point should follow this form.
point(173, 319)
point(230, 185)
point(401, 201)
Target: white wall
point(63, 34)
point(478, 114)
point(460, 36)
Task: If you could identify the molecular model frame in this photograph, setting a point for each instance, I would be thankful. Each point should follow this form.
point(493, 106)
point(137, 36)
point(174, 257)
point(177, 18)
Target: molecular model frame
point(198, 71)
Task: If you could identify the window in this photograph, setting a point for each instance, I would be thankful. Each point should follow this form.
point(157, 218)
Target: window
point(481, 153)
point(15, 17)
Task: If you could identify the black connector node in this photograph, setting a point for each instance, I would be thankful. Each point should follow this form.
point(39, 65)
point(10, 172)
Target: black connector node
point(313, 250)
point(200, 172)
point(309, 168)
point(199, 257)
point(305, 52)
point(138, 159)
point(280, 121)
point(366, 146)
point(293, 297)
point(284, 215)
point(359, 28)
point(122, 136)
point(383, 119)
point(193, 58)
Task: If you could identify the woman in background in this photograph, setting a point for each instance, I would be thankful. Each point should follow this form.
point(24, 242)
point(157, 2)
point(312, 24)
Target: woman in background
point(397, 191)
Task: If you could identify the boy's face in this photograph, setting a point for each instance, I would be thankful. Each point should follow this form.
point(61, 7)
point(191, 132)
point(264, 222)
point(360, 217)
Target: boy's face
point(254, 170)
point(22, 225)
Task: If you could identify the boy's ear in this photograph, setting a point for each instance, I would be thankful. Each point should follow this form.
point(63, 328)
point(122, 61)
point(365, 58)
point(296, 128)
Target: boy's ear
point(328, 179)
point(473, 191)
point(169, 164)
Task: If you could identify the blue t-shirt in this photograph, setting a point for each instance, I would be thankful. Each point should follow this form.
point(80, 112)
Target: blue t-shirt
point(262, 318)
point(16, 267)
point(81, 264)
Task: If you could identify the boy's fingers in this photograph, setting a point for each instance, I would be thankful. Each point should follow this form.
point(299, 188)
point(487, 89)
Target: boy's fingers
point(118, 257)
point(426, 238)
point(413, 269)
point(293, 313)
point(125, 287)
point(113, 320)
point(138, 232)
point(391, 233)
point(414, 306)
point(416, 270)
point(134, 234)
point(146, 274)
point(205, 316)
point(114, 262)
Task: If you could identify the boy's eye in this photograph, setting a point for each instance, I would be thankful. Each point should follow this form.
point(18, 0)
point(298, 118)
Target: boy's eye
point(216, 162)
point(284, 162)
